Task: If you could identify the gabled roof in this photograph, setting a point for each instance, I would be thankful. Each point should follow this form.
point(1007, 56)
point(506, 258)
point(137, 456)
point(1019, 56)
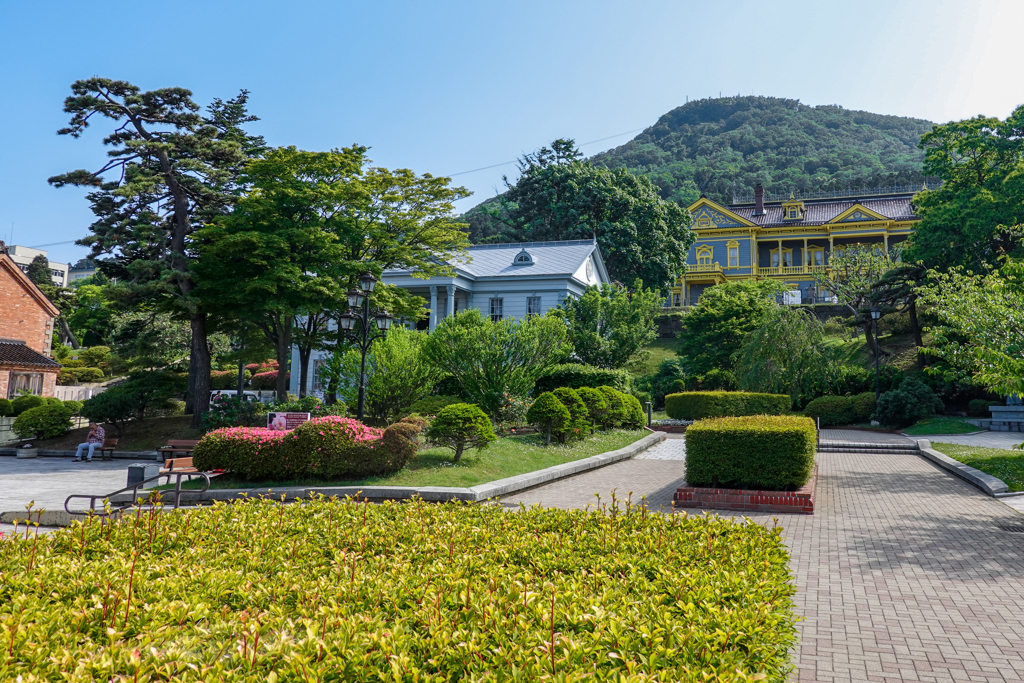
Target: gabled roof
point(17, 353)
point(819, 212)
point(8, 265)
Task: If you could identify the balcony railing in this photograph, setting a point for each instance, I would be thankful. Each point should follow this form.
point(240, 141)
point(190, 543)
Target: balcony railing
point(704, 268)
point(790, 270)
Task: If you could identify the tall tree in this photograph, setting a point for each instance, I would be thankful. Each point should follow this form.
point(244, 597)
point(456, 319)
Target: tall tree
point(852, 272)
point(170, 169)
point(896, 291)
point(559, 196)
point(39, 271)
point(971, 220)
point(610, 326)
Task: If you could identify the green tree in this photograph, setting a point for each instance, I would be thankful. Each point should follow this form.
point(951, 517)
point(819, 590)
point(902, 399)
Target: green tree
point(490, 361)
point(549, 415)
point(714, 330)
point(852, 272)
point(401, 375)
point(980, 333)
point(170, 169)
point(787, 354)
point(610, 326)
point(970, 220)
point(460, 426)
point(559, 196)
point(39, 271)
point(896, 291)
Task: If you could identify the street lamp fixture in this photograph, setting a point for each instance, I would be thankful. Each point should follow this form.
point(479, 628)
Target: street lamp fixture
point(383, 320)
point(357, 327)
point(355, 298)
point(367, 281)
point(875, 315)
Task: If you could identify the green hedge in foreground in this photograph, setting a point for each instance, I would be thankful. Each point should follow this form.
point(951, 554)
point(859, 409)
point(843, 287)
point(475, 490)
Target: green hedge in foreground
point(697, 405)
point(411, 591)
point(766, 452)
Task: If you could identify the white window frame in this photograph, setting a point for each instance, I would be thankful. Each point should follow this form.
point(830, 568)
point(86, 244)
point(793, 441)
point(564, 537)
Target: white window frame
point(497, 305)
point(532, 310)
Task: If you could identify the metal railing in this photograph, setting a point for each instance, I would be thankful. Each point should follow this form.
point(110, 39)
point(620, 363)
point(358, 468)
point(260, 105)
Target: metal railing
point(789, 270)
point(107, 510)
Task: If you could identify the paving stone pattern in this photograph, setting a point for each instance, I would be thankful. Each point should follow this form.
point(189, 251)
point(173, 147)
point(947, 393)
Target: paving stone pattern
point(903, 572)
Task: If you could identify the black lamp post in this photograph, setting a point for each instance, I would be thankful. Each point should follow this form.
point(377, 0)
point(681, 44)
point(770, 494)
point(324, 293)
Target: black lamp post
point(356, 326)
point(875, 315)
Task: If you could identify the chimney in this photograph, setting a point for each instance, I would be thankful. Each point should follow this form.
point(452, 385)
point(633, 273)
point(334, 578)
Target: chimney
point(759, 200)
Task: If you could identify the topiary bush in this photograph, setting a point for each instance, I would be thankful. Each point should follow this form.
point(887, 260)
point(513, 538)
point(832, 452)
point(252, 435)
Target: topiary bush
point(715, 379)
point(906, 405)
point(432, 405)
point(52, 401)
point(43, 422)
point(579, 423)
point(697, 405)
point(460, 426)
point(634, 415)
point(617, 413)
point(976, 408)
point(766, 452)
point(27, 402)
point(6, 407)
point(401, 440)
point(549, 415)
point(110, 407)
point(832, 410)
point(863, 406)
point(575, 376)
point(90, 375)
point(74, 406)
point(597, 405)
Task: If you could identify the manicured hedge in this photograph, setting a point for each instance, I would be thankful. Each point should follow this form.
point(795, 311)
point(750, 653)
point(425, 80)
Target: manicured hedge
point(43, 422)
point(27, 402)
point(339, 591)
point(697, 405)
point(574, 376)
point(6, 407)
point(766, 452)
point(831, 410)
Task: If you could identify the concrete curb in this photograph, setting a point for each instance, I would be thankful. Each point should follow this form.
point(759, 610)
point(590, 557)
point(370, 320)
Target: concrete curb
point(481, 492)
point(993, 486)
point(118, 455)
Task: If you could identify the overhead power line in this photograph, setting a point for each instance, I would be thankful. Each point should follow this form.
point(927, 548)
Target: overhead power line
point(582, 144)
point(52, 244)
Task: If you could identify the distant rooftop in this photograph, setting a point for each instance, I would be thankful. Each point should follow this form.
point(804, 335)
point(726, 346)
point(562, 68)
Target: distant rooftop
point(863, 193)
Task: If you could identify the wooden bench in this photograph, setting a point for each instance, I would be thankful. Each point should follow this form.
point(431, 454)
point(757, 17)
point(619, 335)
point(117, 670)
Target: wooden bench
point(181, 465)
point(107, 449)
point(182, 447)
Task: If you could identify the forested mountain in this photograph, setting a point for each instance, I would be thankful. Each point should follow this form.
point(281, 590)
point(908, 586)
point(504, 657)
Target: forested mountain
point(723, 147)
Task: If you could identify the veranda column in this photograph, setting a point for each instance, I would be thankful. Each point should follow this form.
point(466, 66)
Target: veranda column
point(451, 302)
point(805, 256)
point(433, 308)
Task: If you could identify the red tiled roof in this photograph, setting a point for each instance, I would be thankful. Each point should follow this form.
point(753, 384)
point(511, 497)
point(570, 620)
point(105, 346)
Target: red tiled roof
point(16, 353)
point(821, 212)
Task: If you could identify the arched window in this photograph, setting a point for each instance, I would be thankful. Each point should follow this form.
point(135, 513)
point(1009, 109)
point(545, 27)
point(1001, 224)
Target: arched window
point(523, 258)
point(704, 255)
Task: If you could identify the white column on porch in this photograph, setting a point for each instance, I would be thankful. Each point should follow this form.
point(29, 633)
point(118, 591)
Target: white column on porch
point(451, 301)
point(433, 308)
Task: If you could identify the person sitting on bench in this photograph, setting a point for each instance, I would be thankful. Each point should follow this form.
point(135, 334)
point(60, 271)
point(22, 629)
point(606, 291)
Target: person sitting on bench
point(93, 441)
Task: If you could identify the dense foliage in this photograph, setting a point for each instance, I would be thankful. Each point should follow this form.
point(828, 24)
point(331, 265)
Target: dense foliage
point(432, 405)
point(43, 422)
point(328, 589)
point(6, 407)
point(579, 416)
point(401, 375)
point(906, 405)
point(722, 147)
point(26, 402)
point(697, 405)
point(549, 415)
point(576, 376)
point(773, 453)
point(461, 426)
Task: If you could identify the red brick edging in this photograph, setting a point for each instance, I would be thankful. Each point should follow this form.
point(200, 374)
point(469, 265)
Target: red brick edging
point(801, 500)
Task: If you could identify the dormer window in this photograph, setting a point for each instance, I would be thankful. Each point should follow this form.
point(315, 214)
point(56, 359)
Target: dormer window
point(792, 210)
point(523, 258)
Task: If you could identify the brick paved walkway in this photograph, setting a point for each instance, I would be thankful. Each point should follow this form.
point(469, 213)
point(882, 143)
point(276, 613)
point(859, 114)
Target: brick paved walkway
point(903, 572)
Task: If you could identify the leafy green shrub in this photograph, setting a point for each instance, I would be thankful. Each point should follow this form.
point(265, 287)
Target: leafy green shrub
point(579, 423)
point(43, 422)
point(597, 405)
point(850, 380)
point(766, 452)
point(51, 401)
point(232, 411)
point(575, 376)
point(26, 402)
point(207, 580)
point(92, 357)
point(634, 417)
point(678, 387)
point(832, 410)
point(74, 406)
point(228, 379)
point(549, 415)
point(979, 407)
point(697, 405)
point(617, 412)
point(6, 407)
point(90, 375)
point(110, 407)
point(74, 364)
point(863, 406)
point(401, 440)
point(908, 404)
point(715, 379)
point(432, 405)
point(460, 426)
point(67, 377)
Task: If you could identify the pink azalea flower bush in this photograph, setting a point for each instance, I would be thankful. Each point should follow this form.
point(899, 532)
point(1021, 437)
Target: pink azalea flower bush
point(326, 447)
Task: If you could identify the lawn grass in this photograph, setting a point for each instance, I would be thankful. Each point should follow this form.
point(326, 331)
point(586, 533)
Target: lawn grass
point(1005, 464)
point(506, 457)
point(660, 349)
point(148, 435)
point(941, 425)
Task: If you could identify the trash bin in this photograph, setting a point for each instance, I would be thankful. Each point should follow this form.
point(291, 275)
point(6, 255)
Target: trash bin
point(141, 471)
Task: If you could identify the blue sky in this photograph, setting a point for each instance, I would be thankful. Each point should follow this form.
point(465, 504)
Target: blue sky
point(447, 86)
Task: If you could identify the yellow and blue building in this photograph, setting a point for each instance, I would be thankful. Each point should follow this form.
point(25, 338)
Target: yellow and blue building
point(787, 239)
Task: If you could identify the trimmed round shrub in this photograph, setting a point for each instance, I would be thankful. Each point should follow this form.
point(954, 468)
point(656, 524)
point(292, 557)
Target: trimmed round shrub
point(43, 422)
point(678, 386)
point(697, 405)
point(6, 407)
point(597, 405)
point(863, 406)
point(51, 401)
point(635, 417)
point(401, 440)
point(832, 410)
point(616, 407)
point(416, 420)
point(74, 406)
point(979, 407)
point(579, 422)
point(577, 375)
point(762, 452)
point(549, 415)
point(332, 447)
point(88, 375)
point(76, 363)
point(432, 405)
point(114, 407)
point(249, 452)
point(908, 404)
point(460, 426)
point(23, 403)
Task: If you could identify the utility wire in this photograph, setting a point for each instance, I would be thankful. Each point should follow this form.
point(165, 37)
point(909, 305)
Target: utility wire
point(582, 144)
point(52, 244)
